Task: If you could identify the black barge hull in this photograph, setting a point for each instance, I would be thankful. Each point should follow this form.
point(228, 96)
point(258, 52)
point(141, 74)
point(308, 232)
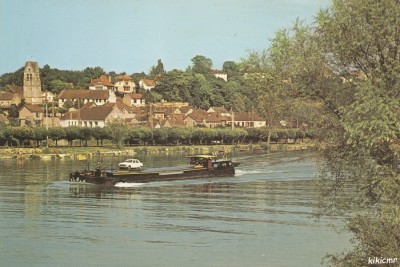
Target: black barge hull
point(111, 178)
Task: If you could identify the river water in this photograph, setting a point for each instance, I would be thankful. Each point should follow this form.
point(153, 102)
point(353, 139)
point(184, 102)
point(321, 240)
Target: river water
point(260, 217)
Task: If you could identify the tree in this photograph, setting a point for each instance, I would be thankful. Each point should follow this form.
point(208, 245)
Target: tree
point(6, 134)
point(175, 86)
point(201, 92)
point(72, 133)
point(56, 86)
point(119, 132)
point(157, 70)
point(201, 64)
point(232, 69)
point(23, 134)
point(39, 134)
point(161, 135)
point(56, 134)
point(87, 134)
point(100, 134)
point(348, 63)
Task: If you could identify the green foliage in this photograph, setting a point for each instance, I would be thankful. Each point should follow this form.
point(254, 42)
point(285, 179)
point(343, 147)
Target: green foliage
point(56, 86)
point(100, 134)
point(6, 135)
point(56, 134)
point(22, 134)
point(348, 65)
point(39, 134)
point(119, 132)
point(370, 119)
point(157, 70)
point(201, 64)
point(86, 134)
point(160, 135)
point(72, 133)
point(15, 78)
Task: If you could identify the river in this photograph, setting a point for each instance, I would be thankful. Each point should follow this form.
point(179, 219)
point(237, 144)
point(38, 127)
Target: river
point(261, 217)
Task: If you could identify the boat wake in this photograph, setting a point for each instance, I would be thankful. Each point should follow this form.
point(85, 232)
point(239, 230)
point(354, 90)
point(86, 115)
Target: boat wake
point(245, 172)
point(128, 185)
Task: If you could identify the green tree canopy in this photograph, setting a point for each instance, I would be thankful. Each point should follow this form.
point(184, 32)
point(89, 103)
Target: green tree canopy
point(201, 64)
point(348, 65)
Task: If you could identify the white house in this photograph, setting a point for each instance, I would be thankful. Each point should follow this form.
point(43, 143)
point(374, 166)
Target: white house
point(92, 116)
point(220, 74)
point(248, 120)
point(147, 84)
point(48, 97)
point(125, 84)
point(99, 97)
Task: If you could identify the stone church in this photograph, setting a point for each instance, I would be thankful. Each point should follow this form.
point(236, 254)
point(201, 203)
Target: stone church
point(32, 86)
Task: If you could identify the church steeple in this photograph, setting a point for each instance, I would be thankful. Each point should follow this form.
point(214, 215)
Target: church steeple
point(32, 84)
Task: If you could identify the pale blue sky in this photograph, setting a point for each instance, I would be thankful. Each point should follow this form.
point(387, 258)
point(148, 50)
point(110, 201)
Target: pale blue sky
point(131, 35)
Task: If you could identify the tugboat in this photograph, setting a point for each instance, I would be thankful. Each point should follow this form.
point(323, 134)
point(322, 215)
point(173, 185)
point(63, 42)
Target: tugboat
point(201, 166)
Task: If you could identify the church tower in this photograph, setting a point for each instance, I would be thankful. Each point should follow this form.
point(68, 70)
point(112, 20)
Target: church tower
point(32, 85)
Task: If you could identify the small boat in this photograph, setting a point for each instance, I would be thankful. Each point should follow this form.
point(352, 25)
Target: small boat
point(200, 166)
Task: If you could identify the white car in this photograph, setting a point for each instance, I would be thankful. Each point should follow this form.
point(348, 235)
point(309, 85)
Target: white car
point(131, 164)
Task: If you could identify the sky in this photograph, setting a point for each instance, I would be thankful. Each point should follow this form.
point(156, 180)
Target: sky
point(131, 35)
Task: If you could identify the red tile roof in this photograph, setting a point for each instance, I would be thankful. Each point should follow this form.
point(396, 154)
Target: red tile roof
point(16, 89)
point(93, 113)
point(84, 94)
point(124, 78)
point(247, 116)
point(219, 110)
point(149, 82)
point(33, 108)
point(136, 96)
point(102, 80)
point(6, 96)
point(212, 118)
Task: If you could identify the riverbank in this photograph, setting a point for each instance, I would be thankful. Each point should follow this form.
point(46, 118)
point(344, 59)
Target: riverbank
point(56, 153)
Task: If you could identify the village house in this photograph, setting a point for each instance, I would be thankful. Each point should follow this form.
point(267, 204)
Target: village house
point(219, 111)
point(219, 74)
point(147, 84)
point(91, 116)
point(213, 120)
point(48, 97)
point(186, 110)
point(248, 120)
point(101, 83)
point(196, 118)
point(158, 113)
point(171, 104)
point(15, 89)
point(7, 99)
point(99, 97)
point(31, 114)
point(135, 100)
point(190, 121)
point(125, 84)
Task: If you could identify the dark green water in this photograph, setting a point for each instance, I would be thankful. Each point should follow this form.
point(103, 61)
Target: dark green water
point(260, 217)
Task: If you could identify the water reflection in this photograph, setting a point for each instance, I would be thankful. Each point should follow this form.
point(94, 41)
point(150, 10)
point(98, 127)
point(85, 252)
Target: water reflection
point(265, 209)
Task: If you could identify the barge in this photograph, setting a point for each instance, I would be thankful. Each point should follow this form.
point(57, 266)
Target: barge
point(200, 166)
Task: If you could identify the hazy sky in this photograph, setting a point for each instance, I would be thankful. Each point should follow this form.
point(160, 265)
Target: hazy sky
point(131, 35)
